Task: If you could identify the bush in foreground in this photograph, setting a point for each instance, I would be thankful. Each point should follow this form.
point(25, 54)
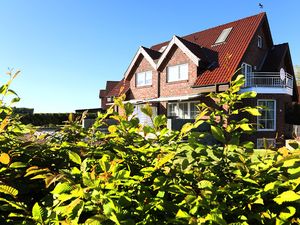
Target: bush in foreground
point(146, 175)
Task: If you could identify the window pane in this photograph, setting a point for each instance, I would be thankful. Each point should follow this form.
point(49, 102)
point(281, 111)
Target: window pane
point(223, 35)
point(267, 118)
point(183, 111)
point(183, 72)
point(269, 124)
point(194, 110)
point(172, 109)
point(148, 80)
point(172, 73)
point(140, 79)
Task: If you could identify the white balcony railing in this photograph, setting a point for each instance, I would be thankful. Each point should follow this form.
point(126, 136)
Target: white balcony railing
point(269, 79)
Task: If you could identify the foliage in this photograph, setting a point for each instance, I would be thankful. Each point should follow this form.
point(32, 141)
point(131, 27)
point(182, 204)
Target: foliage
point(147, 174)
point(297, 73)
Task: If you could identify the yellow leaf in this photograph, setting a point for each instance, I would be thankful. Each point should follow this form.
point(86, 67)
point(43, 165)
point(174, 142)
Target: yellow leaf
point(4, 158)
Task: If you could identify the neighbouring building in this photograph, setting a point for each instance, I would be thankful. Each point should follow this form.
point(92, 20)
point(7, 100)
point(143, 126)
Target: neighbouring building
point(175, 75)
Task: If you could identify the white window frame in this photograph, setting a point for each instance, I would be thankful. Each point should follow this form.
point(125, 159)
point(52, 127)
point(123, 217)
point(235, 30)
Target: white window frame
point(260, 142)
point(110, 99)
point(248, 73)
point(259, 41)
point(179, 78)
point(144, 76)
point(258, 125)
point(178, 113)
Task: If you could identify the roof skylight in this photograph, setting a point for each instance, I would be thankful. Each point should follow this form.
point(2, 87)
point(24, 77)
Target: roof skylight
point(223, 35)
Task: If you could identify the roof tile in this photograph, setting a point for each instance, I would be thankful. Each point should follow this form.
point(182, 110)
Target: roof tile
point(229, 53)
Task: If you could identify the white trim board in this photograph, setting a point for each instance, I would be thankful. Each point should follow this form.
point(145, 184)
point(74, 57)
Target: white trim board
point(268, 90)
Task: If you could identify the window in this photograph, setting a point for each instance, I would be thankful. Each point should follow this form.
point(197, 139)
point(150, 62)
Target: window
point(109, 99)
point(172, 109)
point(267, 120)
point(144, 78)
point(259, 41)
point(194, 111)
point(178, 72)
point(247, 71)
point(263, 143)
point(183, 110)
point(223, 36)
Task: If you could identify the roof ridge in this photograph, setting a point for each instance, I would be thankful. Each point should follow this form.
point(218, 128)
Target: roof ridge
point(234, 21)
point(214, 27)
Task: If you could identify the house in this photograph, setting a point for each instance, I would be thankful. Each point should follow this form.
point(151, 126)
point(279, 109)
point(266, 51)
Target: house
point(175, 75)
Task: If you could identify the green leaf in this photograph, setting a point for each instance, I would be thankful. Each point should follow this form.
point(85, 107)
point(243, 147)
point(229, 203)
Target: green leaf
point(271, 186)
point(16, 165)
point(186, 128)
point(217, 133)
point(71, 117)
point(147, 110)
point(248, 94)
point(3, 89)
point(62, 188)
point(205, 184)
point(287, 196)
point(105, 163)
point(8, 190)
point(252, 111)
point(259, 200)
point(217, 218)
point(290, 162)
point(129, 108)
point(165, 159)
point(95, 220)
point(160, 120)
point(14, 100)
point(245, 127)
point(287, 213)
point(182, 214)
point(248, 144)
point(38, 212)
point(74, 157)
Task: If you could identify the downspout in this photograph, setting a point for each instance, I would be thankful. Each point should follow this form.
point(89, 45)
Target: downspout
point(158, 91)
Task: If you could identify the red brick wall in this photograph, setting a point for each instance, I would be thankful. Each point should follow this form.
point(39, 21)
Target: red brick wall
point(255, 56)
point(144, 91)
point(283, 130)
point(179, 87)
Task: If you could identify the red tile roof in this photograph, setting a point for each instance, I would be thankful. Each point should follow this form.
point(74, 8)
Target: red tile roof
point(109, 86)
point(121, 88)
point(224, 57)
point(152, 53)
point(229, 53)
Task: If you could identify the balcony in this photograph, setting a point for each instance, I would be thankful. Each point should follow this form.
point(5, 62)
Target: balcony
point(269, 83)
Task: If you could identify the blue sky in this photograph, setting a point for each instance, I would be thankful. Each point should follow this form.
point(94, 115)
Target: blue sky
point(67, 49)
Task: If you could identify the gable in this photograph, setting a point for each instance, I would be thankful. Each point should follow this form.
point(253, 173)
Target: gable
point(149, 54)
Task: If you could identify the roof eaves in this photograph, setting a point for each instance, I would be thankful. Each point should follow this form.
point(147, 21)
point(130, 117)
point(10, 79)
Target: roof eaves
point(143, 52)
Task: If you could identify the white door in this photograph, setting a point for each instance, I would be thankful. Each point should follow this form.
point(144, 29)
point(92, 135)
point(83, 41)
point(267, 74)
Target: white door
point(247, 71)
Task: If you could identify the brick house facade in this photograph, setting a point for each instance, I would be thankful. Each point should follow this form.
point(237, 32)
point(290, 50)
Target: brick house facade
point(174, 76)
